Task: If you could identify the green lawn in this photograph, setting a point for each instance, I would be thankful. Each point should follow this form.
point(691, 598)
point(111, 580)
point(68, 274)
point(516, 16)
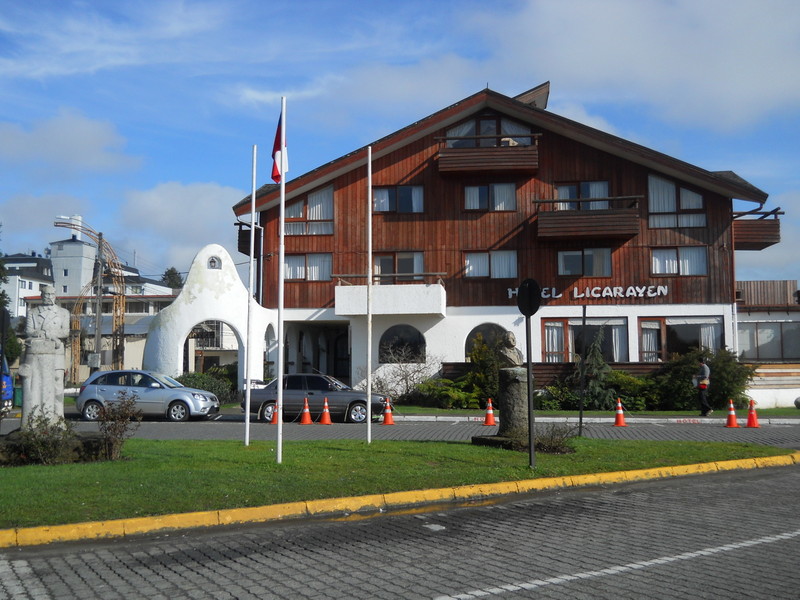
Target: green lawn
point(162, 477)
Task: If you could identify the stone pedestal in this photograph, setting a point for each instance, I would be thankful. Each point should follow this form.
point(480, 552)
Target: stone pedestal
point(513, 403)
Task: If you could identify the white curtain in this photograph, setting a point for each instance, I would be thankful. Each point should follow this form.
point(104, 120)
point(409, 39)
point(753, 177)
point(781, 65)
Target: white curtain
point(290, 228)
point(465, 129)
point(295, 266)
point(553, 341)
point(319, 267)
point(661, 200)
point(598, 189)
point(597, 262)
point(294, 210)
point(472, 197)
point(505, 196)
point(692, 220)
point(567, 192)
point(619, 341)
point(320, 205)
point(693, 260)
point(709, 334)
point(504, 264)
point(416, 199)
point(380, 198)
point(476, 264)
point(691, 200)
point(665, 261)
point(510, 128)
point(651, 332)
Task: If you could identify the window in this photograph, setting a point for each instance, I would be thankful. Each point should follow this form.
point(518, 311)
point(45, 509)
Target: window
point(490, 333)
point(308, 267)
point(566, 338)
point(591, 262)
point(405, 266)
point(22, 284)
point(683, 261)
point(499, 264)
point(671, 206)
point(494, 196)
point(313, 216)
point(401, 199)
point(769, 341)
point(402, 344)
point(488, 130)
point(63, 289)
point(582, 191)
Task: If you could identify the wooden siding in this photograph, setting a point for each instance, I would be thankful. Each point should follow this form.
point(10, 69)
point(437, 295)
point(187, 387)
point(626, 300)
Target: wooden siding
point(566, 224)
point(505, 159)
point(756, 234)
point(767, 293)
point(445, 231)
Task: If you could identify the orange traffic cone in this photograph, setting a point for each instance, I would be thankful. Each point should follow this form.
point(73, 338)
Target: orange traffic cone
point(731, 416)
point(305, 416)
point(325, 418)
point(274, 420)
point(489, 419)
point(752, 418)
point(620, 420)
point(388, 419)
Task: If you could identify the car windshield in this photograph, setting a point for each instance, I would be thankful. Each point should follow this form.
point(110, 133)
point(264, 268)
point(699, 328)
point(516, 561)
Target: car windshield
point(337, 383)
point(166, 381)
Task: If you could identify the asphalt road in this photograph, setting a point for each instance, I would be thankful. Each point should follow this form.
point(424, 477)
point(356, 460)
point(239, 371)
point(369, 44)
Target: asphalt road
point(724, 535)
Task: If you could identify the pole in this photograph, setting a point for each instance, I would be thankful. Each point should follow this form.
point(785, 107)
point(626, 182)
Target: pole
point(369, 294)
point(98, 310)
point(531, 416)
point(281, 276)
point(247, 379)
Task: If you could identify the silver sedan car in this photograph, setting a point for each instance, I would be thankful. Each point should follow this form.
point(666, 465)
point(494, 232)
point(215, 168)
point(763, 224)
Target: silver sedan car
point(154, 394)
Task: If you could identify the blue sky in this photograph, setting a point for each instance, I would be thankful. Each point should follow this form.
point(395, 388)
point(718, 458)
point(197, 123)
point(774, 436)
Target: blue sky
point(141, 116)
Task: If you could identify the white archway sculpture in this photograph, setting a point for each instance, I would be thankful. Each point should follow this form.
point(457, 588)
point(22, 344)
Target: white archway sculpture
point(213, 291)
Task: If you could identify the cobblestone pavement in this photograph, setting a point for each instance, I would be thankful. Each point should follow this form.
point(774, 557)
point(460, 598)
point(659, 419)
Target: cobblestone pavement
point(723, 535)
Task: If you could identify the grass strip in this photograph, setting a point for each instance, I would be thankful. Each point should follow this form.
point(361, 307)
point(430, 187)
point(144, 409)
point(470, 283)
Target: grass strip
point(162, 477)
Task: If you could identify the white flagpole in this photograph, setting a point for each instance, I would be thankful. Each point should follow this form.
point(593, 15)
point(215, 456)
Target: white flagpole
point(281, 276)
point(249, 336)
point(369, 294)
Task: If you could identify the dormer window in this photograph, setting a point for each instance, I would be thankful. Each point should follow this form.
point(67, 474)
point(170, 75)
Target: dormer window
point(488, 131)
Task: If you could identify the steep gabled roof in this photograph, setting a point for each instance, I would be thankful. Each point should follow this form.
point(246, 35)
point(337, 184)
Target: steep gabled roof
point(528, 107)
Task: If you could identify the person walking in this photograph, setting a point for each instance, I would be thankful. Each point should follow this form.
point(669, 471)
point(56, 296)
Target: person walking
point(703, 381)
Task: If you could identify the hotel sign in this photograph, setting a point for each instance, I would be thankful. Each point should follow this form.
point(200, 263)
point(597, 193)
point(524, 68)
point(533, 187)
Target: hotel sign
point(599, 292)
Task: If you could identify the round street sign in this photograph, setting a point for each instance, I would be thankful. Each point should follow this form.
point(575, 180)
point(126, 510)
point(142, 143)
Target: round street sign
point(529, 297)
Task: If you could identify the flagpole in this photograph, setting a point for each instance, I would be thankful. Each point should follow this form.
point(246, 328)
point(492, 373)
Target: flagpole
point(248, 336)
point(369, 294)
point(281, 276)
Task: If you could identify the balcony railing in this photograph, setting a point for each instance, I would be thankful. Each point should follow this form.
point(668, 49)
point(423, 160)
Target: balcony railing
point(489, 153)
point(761, 230)
point(616, 217)
point(397, 294)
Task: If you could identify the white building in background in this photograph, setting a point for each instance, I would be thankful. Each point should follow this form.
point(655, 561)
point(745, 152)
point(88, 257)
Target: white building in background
point(27, 273)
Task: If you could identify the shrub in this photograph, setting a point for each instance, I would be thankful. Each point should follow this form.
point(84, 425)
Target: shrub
point(220, 387)
point(118, 422)
point(555, 438)
point(483, 378)
point(45, 441)
point(559, 396)
point(444, 393)
point(637, 393)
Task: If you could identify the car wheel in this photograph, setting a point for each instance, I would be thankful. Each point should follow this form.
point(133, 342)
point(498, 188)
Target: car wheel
point(178, 411)
point(357, 413)
point(92, 410)
point(266, 412)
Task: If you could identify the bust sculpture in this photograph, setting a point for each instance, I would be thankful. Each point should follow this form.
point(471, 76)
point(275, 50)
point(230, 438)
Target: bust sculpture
point(508, 354)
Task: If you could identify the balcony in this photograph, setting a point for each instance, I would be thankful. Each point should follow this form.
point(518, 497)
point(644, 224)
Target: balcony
point(394, 299)
point(620, 220)
point(756, 233)
point(488, 154)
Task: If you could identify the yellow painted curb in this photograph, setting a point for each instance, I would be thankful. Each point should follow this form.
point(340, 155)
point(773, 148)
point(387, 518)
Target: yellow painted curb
point(30, 536)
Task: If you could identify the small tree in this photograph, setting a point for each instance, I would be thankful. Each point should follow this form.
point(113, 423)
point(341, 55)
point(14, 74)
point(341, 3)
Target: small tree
point(483, 378)
point(592, 373)
point(172, 278)
point(119, 421)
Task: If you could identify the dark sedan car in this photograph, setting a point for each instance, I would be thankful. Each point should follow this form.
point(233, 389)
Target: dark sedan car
point(344, 403)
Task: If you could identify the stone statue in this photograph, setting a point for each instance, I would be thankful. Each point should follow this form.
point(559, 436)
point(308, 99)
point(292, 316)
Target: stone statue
point(508, 355)
point(42, 368)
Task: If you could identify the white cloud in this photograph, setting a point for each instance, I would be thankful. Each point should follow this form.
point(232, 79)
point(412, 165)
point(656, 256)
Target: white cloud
point(67, 144)
point(169, 223)
point(27, 221)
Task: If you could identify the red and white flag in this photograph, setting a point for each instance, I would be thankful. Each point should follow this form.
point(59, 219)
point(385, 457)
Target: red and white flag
point(280, 158)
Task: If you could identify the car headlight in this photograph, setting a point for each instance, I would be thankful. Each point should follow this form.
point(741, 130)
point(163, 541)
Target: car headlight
point(199, 397)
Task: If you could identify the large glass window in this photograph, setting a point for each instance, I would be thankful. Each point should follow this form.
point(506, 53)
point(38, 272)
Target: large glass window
point(493, 196)
point(684, 261)
point(580, 191)
point(661, 338)
point(566, 338)
point(401, 199)
point(488, 130)
point(769, 341)
point(312, 216)
point(499, 264)
point(672, 206)
point(589, 262)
